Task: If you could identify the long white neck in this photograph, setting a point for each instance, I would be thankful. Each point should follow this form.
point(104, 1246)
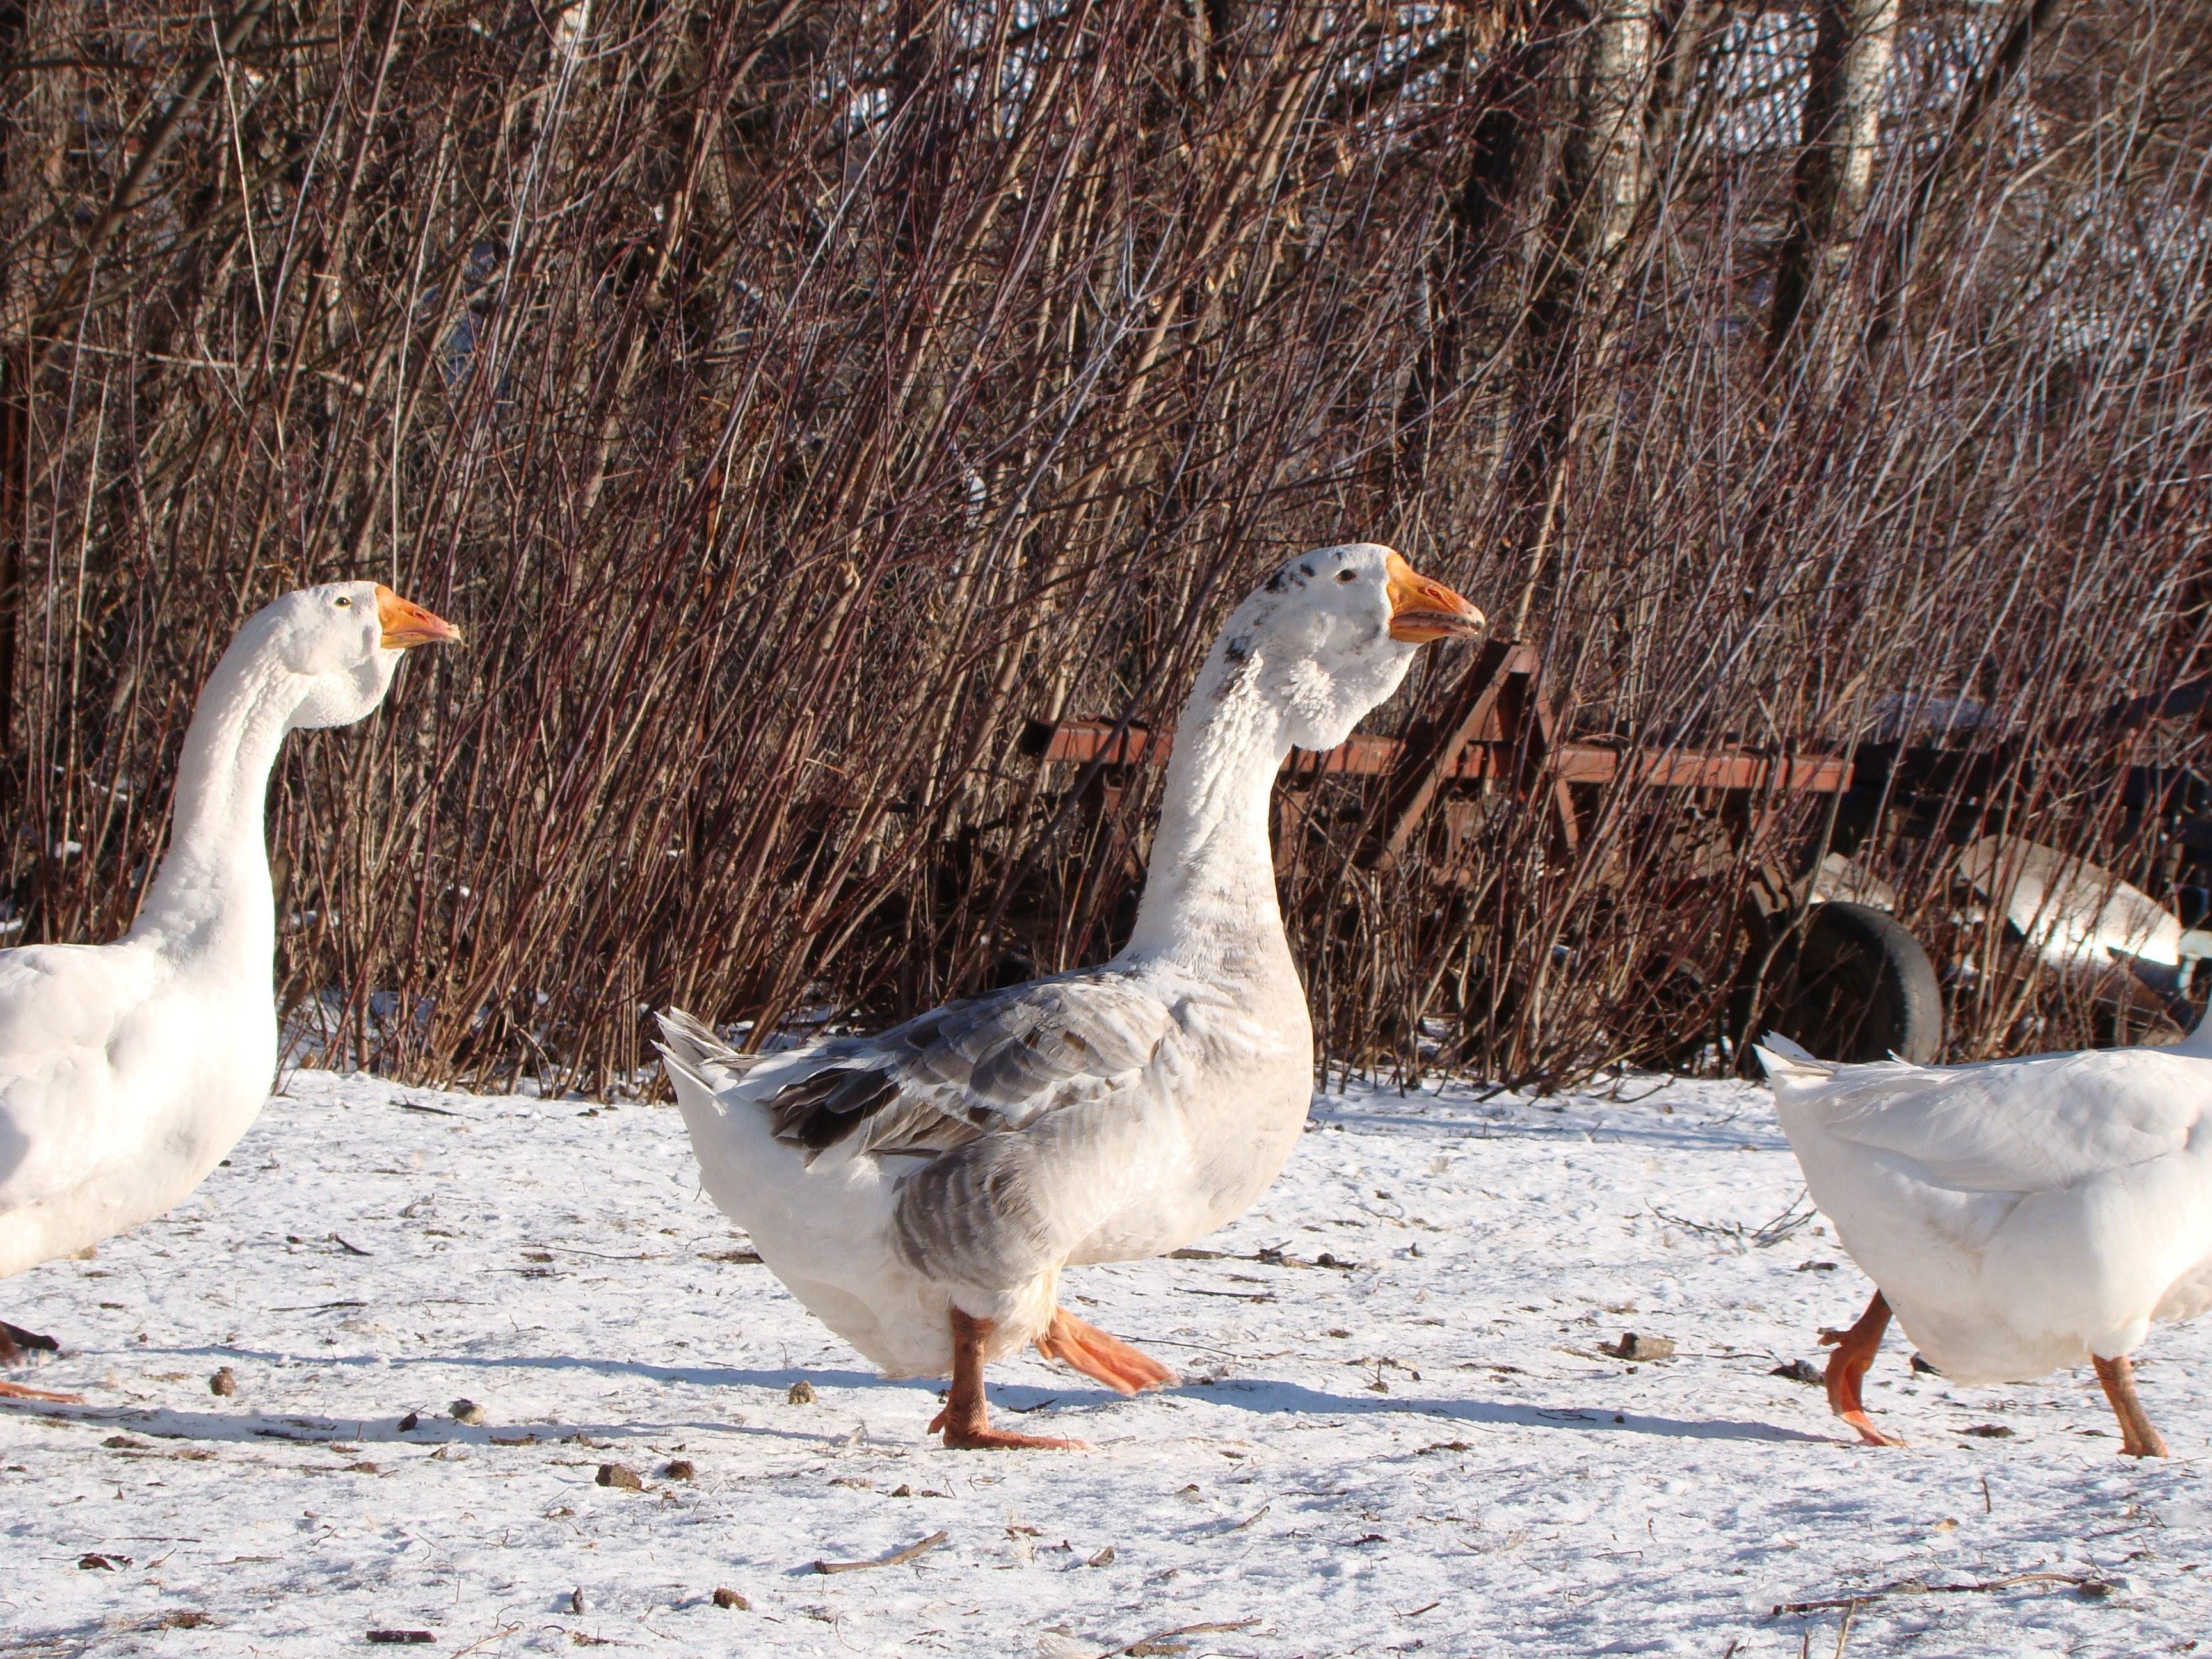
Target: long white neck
point(1210, 886)
point(211, 903)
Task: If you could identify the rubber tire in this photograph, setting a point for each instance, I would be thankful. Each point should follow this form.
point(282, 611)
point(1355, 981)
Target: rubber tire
point(1859, 987)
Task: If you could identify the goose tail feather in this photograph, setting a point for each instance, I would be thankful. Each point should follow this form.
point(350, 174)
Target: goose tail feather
point(692, 1053)
point(1788, 1062)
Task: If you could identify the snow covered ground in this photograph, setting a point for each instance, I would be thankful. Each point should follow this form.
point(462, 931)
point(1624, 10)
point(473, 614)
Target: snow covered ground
point(1398, 1431)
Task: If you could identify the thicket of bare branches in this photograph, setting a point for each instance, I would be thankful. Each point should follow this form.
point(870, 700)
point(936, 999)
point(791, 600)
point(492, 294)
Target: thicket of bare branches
point(793, 399)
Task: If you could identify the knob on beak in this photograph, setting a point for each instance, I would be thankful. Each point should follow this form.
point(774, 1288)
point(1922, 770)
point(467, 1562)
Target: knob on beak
point(1422, 610)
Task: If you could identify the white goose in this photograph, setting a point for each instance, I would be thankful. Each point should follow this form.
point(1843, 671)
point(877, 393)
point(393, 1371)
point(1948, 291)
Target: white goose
point(920, 1190)
point(2019, 1215)
point(128, 1070)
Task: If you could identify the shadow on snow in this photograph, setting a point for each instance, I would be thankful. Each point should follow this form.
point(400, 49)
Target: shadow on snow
point(1261, 1396)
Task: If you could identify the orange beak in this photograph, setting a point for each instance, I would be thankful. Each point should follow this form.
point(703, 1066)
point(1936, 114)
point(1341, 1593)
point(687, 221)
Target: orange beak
point(1422, 610)
point(407, 623)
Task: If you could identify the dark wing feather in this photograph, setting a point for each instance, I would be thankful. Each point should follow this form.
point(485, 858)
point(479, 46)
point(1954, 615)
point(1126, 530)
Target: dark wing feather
point(823, 1111)
point(968, 1068)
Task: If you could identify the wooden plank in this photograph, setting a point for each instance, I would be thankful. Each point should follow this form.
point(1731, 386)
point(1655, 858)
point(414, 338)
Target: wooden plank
point(1079, 742)
point(1735, 769)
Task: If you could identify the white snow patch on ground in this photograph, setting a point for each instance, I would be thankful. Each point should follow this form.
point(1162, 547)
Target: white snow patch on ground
point(1421, 1449)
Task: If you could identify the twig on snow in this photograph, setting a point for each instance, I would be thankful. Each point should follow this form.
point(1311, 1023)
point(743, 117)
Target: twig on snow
point(2092, 1587)
point(1762, 1237)
point(921, 1546)
point(500, 1634)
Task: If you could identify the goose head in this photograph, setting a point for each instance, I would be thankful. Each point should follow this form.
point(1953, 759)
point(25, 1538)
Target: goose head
point(1331, 634)
point(340, 644)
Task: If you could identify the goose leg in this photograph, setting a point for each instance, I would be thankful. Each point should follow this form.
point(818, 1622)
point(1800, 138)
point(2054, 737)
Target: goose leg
point(17, 1391)
point(1854, 1352)
point(13, 1339)
point(964, 1419)
point(1101, 1356)
point(2137, 1437)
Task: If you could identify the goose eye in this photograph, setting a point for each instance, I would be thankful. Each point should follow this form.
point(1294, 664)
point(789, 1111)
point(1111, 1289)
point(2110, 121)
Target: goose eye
point(343, 603)
point(1347, 575)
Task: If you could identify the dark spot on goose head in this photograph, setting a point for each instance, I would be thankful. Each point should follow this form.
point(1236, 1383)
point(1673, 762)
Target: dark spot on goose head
point(1306, 570)
point(1238, 650)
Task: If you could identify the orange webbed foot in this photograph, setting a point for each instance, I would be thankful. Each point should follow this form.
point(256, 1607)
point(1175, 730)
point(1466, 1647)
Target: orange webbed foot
point(1101, 1356)
point(1870, 1435)
point(990, 1439)
point(964, 1419)
point(1854, 1350)
point(972, 1433)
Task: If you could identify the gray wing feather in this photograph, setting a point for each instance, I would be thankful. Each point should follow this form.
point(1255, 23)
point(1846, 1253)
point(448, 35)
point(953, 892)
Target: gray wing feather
point(968, 1069)
point(955, 1088)
point(973, 1214)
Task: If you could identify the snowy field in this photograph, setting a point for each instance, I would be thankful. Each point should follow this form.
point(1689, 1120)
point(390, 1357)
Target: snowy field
point(1397, 1432)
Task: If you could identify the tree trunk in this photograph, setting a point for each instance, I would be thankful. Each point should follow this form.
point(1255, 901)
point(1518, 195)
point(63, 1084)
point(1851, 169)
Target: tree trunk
point(1606, 169)
point(2037, 19)
point(1835, 169)
point(1605, 174)
point(1474, 286)
point(15, 436)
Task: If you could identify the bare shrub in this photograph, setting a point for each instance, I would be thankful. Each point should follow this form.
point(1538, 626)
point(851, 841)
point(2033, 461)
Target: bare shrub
point(794, 399)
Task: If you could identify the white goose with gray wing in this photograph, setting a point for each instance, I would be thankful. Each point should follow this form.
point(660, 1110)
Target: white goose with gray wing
point(920, 1190)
